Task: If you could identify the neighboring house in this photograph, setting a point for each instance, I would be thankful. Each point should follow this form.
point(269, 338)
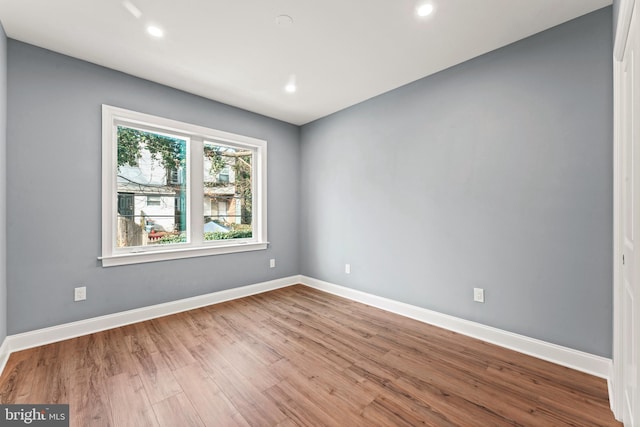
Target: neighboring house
point(149, 196)
point(221, 203)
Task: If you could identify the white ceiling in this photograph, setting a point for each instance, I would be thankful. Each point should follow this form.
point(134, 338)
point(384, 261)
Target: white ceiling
point(340, 51)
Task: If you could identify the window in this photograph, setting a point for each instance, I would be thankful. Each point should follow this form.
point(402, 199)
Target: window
point(223, 175)
point(151, 200)
point(175, 190)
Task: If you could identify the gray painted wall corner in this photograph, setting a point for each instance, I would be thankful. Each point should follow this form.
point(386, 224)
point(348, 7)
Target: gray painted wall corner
point(616, 11)
point(54, 193)
point(3, 184)
point(495, 173)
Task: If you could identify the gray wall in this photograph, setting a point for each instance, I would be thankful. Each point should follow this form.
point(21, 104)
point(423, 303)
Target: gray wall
point(616, 12)
point(3, 184)
point(496, 173)
point(54, 202)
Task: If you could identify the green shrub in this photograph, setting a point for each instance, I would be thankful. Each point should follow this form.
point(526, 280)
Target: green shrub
point(171, 238)
point(224, 235)
point(211, 235)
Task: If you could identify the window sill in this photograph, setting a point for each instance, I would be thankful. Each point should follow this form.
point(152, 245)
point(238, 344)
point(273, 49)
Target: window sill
point(167, 255)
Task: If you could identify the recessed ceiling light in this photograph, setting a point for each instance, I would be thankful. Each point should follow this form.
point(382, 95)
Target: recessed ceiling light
point(425, 9)
point(132, 8)
point(290, 88)
point(155, 31)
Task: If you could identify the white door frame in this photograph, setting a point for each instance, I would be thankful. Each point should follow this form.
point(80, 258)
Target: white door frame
point(617, 375)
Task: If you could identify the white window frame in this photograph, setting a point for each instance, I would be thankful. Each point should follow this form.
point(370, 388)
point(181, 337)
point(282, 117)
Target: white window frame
point(196, 136)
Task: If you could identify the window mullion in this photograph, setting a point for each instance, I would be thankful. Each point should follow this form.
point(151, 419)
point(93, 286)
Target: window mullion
point(196, 191)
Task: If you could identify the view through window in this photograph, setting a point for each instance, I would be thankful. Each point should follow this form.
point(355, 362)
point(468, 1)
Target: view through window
point(227, 192)
point(152, 188)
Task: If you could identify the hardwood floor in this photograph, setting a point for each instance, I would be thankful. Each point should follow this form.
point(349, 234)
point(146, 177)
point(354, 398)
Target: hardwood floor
point(297, 356)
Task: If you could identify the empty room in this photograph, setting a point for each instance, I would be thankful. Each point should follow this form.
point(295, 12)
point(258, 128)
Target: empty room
point(281, 213)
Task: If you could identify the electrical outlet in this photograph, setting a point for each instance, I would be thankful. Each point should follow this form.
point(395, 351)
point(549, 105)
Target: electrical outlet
point(478, 294)
point(80, 293)
point(272, 263)
point(347, 268)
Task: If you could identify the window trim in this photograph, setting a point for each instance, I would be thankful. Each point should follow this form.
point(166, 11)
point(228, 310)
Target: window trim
point(196, 136)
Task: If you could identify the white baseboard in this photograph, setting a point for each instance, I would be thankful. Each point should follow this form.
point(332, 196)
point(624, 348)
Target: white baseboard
point(575, 359)
point(65, 331)
point(581, 361)
point(4, 354)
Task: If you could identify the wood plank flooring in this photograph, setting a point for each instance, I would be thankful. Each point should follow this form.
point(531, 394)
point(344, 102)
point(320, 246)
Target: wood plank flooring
point(298, 357)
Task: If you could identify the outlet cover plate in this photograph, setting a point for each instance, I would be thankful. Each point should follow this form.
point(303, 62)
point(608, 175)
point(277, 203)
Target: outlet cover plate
point(80, 293)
